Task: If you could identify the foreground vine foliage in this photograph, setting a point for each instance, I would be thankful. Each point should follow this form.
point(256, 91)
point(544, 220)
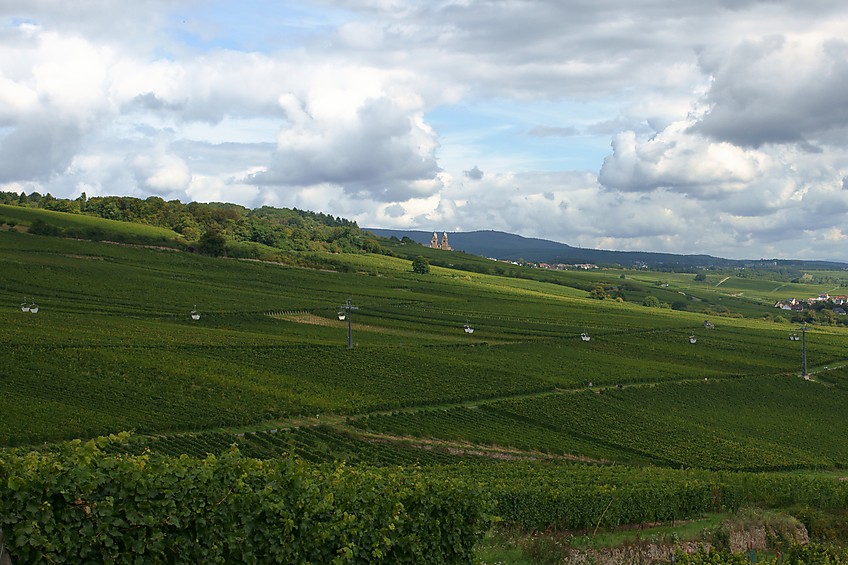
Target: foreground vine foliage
point(80, 504)
point(813, 554)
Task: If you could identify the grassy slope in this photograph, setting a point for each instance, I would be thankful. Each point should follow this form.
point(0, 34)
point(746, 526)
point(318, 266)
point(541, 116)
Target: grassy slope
point(113, 348)
point(63, 220)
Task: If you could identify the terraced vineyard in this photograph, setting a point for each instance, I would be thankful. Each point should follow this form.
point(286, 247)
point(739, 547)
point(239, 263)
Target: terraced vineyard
point(113, 348)
point(749, 423)
point(311, 443)
point(266, 368)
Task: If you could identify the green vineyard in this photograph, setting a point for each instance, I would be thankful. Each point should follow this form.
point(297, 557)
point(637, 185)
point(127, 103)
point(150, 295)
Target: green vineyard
point(633, 424)
point(754, 423)
point(81, 504)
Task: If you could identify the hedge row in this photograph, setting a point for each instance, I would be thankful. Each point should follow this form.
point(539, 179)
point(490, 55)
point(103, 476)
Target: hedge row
point(543, 496)
point(79, 504)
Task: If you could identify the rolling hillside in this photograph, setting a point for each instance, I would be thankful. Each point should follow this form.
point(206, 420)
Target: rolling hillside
point(674, 428)
point(114, 340)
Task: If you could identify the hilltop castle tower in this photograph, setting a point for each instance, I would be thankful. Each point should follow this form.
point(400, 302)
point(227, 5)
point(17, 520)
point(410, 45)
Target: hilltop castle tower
point(434, 242)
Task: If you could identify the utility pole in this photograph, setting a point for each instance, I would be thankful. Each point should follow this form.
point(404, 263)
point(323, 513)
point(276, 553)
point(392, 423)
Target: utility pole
point(803, 329)
point(345, 313)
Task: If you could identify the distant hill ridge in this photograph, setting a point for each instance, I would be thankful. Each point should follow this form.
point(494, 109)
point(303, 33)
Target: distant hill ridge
point(507, 246)
point(268, 232)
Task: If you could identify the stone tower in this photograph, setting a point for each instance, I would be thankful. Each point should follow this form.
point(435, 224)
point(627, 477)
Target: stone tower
point(434, 242)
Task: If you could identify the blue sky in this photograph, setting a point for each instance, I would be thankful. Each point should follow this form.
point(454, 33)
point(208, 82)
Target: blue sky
point(253, 25)
point(642, 125)
point(513, 133)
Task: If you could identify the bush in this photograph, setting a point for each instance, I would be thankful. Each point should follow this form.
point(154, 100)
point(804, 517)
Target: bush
point(651, 302)
point(212, 243)
point(420, 265)
point(598, 292)
point(40, 227)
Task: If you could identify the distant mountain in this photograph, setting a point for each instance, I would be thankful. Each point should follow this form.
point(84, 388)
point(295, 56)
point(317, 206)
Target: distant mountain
point(501, 245)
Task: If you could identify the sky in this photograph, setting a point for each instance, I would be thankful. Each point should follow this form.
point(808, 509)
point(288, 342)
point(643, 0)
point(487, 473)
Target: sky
point(718, 126)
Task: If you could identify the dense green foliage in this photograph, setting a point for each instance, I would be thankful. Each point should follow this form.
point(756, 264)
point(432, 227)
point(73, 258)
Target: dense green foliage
point(244, 232)
point(565, 496)
point(420, 265)
point(81, 505)
point(813, 554)
point(77, 500)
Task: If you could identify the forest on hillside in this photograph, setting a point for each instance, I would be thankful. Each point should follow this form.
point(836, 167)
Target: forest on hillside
point(214, 225)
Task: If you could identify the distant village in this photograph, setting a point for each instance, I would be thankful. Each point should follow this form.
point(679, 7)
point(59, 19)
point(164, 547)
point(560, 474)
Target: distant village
point(795, 305)
point(551, 266)
point(564, 266)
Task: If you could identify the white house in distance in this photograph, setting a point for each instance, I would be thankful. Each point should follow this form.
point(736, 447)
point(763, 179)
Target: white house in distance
point(789, 304)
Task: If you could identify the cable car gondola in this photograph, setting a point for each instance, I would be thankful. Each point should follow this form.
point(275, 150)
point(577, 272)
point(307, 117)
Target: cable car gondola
point(585, 336)
point(195, 315)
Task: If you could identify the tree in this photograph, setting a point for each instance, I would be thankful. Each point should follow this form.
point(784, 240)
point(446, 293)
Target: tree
point(651, 302)
point(827, 317)
point(420, 265)
point(598, 292)
point(40, 227)
point(212, 243)
point(700, 277)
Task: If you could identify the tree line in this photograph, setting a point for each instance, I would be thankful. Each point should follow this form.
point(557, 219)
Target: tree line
point(215, 227)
